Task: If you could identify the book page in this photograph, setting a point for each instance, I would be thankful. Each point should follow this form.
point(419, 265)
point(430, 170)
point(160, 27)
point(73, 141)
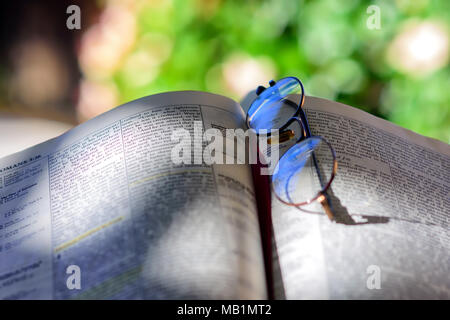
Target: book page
point(391, 195)
point(103, 212)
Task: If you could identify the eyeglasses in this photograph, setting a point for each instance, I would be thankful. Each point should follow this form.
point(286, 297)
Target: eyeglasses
point(306, 170)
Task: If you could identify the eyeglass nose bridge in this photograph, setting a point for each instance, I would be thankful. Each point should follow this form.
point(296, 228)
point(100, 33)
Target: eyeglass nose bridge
point(287, 134)
point(302, 127)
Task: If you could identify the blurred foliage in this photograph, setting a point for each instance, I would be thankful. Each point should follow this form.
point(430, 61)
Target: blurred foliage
point(224, 46)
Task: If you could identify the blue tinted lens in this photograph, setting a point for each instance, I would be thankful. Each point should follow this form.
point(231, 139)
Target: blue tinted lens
point(275, 105)
point(303, 171)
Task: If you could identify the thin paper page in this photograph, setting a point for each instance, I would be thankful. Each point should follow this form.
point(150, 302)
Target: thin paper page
point(391, 195)
point(105, 197)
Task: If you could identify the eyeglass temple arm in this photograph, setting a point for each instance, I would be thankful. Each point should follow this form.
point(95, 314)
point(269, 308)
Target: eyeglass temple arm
point(326, 204)
point(305, 124)
point(325, 198)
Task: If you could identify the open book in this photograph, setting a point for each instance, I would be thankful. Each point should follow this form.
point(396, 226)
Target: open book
point(105, 203)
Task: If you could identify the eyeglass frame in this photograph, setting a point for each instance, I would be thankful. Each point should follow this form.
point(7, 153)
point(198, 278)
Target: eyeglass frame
point(300, 116)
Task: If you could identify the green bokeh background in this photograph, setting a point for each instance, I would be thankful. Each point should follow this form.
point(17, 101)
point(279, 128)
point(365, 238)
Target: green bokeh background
point(325, 43)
